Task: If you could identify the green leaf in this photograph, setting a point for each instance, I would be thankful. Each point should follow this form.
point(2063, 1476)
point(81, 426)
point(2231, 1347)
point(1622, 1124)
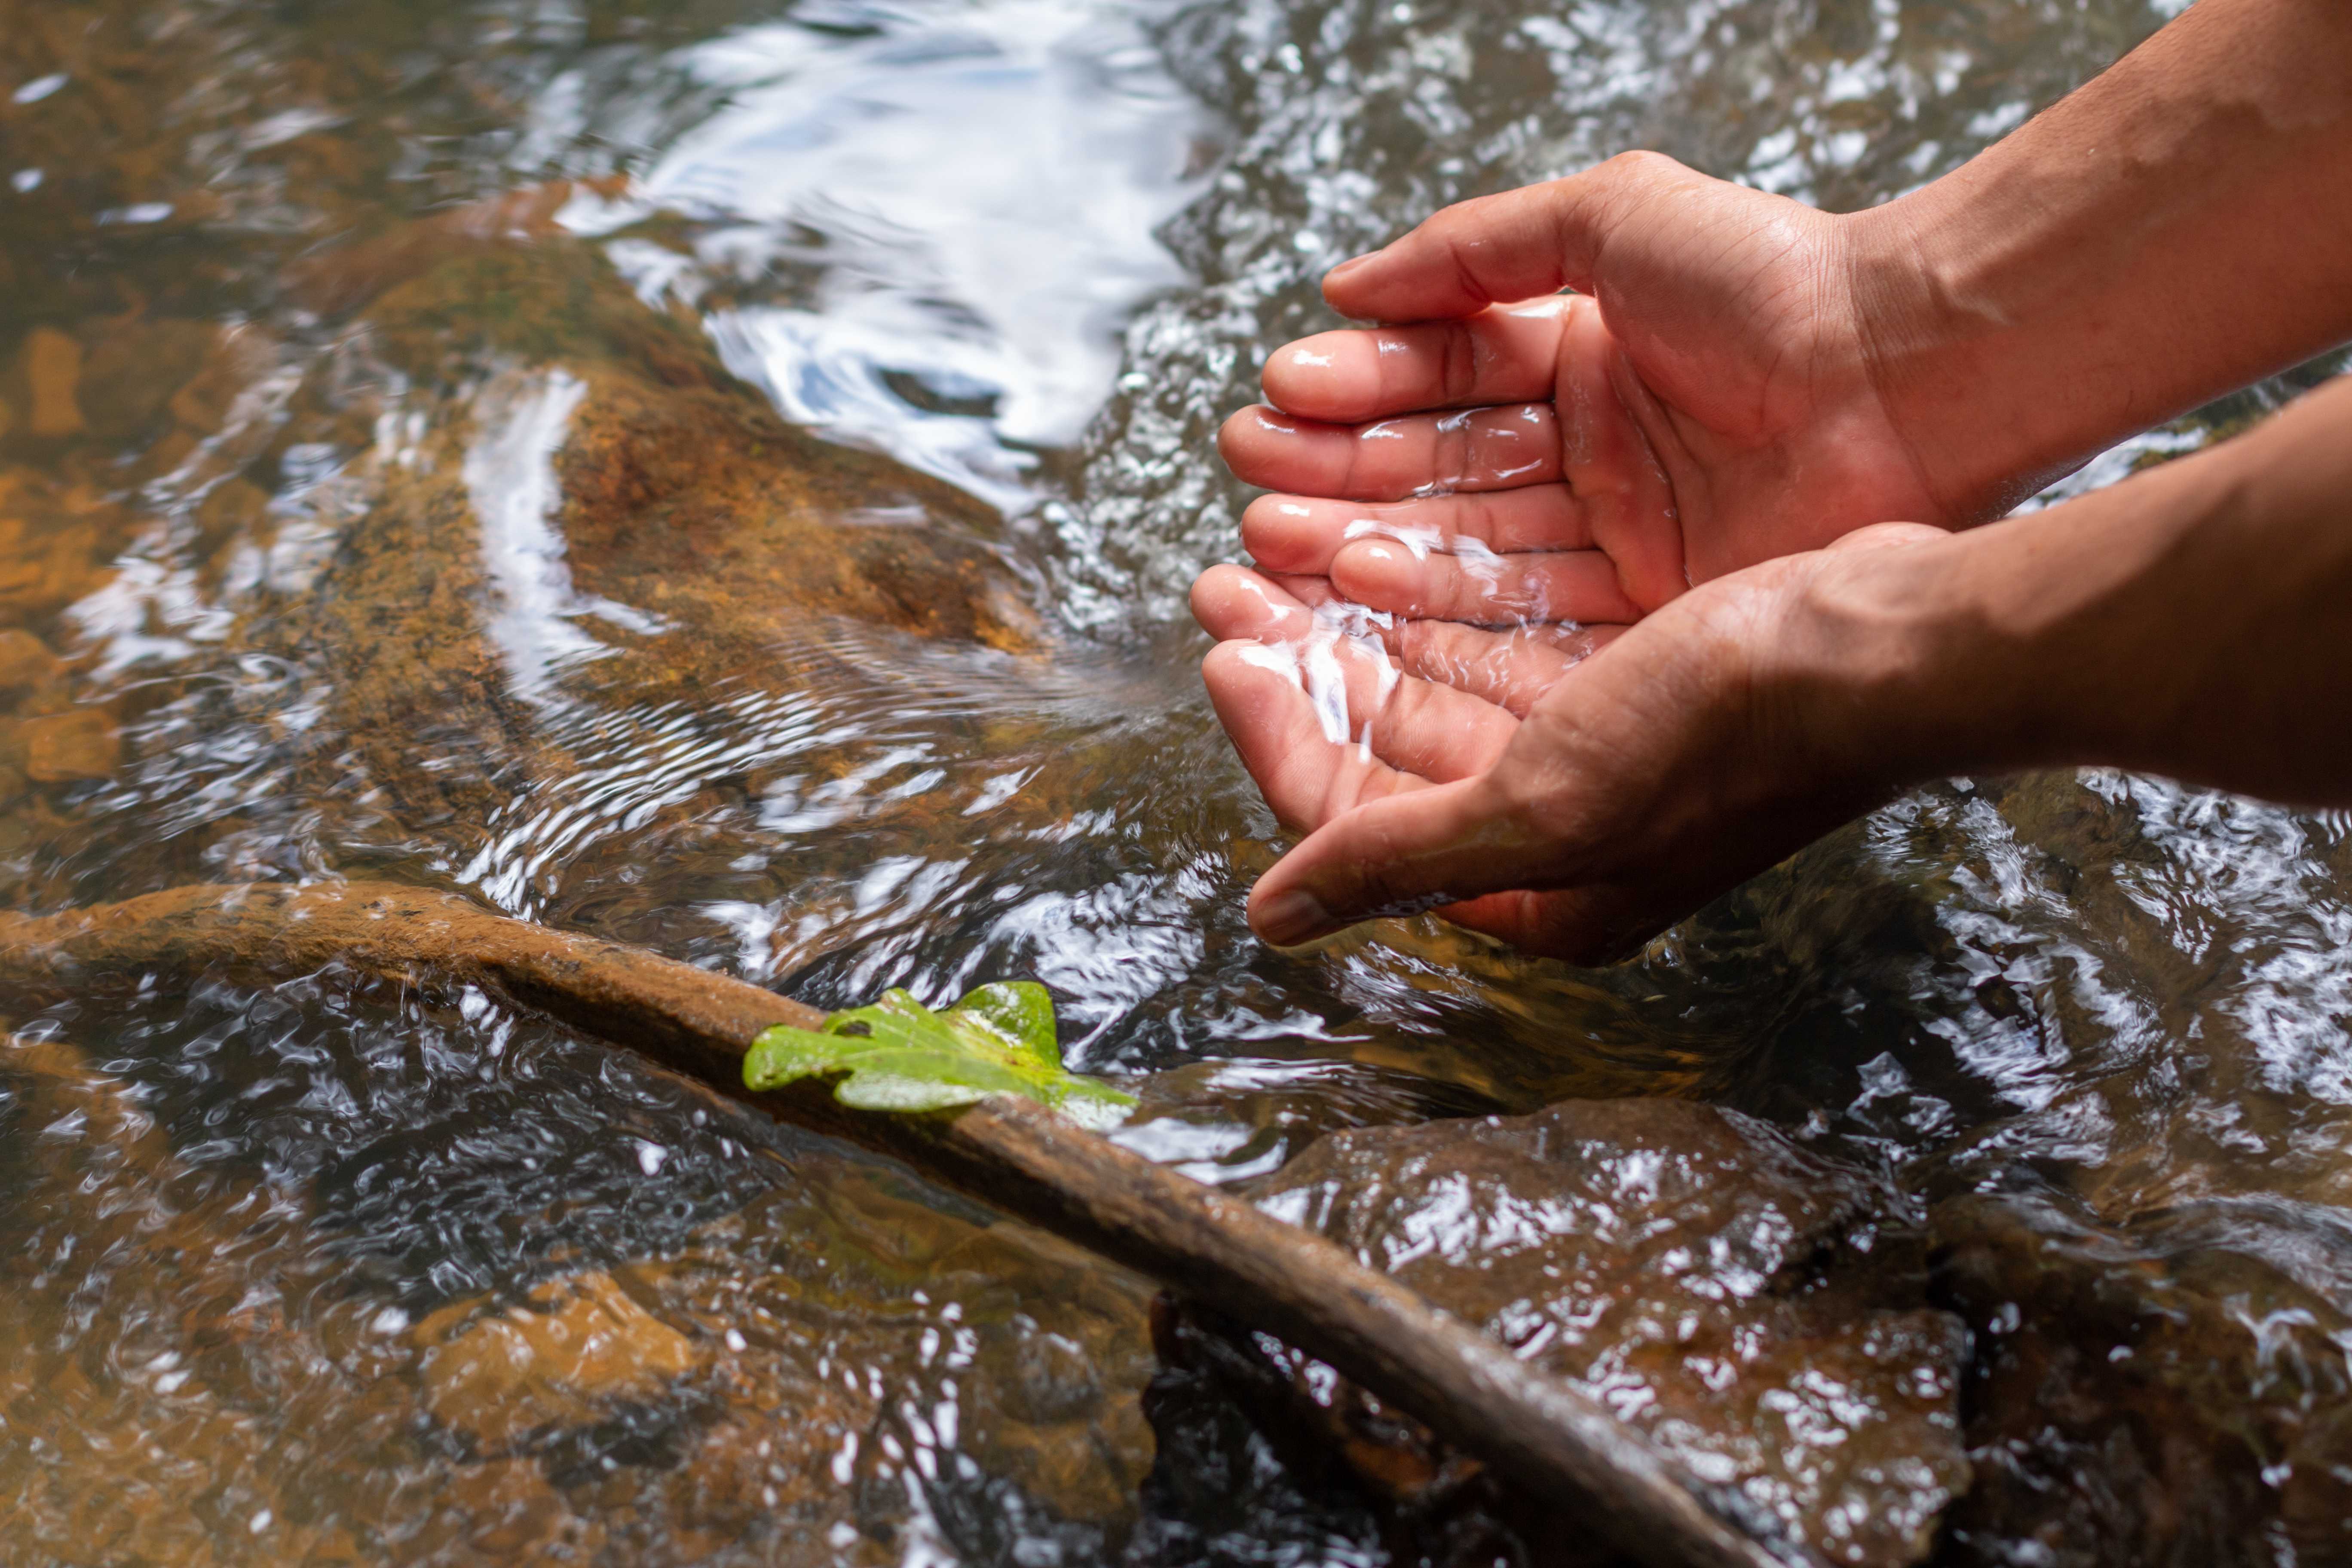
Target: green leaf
point(898, 1055)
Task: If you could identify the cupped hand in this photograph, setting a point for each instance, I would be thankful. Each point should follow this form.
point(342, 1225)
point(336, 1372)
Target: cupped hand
point(1705, 402)
point(1570, 793)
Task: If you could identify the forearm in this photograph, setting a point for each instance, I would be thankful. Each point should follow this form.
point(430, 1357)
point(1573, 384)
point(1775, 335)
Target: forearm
point(2178, 227)
point(2194, 621)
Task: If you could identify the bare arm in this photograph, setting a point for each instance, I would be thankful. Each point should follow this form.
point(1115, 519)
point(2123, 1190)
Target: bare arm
point(1744, 383)
point(2180, 226)
point(2195, 620)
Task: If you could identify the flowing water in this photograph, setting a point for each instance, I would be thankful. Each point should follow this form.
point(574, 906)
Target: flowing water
point(724, 476)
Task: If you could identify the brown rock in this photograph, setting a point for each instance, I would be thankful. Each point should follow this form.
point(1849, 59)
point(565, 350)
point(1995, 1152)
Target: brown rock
point(1050, 1351)
point(349, 275)
point(131, 370)
point(64, 747)
point(505, 1507)
point(53, 537)
point(232, 361)
point(564, 1356)
point(706, 543)
point(2168, 1398)
point(52, 368)
point(24, 660)
point(1725, 1291)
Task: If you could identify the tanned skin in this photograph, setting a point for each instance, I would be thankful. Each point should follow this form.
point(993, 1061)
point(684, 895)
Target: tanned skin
point(1736, 489)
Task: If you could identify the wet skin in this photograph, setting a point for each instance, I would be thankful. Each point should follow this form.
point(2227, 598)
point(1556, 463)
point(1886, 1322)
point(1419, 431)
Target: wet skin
point(1678, 469)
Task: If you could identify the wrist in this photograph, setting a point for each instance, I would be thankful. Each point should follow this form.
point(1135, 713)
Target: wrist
point(2186, 622)
point(1872, 671)
point(1941, 352)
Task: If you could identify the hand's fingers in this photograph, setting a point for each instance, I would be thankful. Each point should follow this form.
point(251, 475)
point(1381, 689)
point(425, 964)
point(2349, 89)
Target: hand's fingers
point(1400, 855)
point(1302, 533)
point(1618, 498)
point(1439, 557)
point(1348, 685)
point(1470, 449)
point(1304, 778)
point(1481, 588)
point(1511, 669)
point(1513, 246)
point(1412, 849)
point(1504, 355)
point(1582, 925)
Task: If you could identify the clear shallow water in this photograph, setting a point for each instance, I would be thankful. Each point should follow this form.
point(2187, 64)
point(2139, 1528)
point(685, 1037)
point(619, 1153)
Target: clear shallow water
point(1034, 252)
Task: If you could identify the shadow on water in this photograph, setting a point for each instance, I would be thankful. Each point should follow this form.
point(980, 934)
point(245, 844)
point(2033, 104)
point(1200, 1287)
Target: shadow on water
point(724, 476)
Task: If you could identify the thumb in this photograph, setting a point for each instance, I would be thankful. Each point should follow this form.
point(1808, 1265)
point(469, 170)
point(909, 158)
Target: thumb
point(1399, 854)
point(1887, 535)
point(1495, 249)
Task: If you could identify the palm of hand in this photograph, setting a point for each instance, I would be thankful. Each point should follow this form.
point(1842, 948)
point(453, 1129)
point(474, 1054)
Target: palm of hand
point(1516, 485)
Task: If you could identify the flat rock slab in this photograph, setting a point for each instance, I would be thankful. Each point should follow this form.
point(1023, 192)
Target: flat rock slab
point(1754, 1309)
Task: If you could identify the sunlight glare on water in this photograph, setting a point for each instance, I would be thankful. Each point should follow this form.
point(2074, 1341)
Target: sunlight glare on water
point(976, 190)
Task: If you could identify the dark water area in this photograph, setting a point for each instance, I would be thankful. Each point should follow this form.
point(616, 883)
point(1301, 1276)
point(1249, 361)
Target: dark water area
point(723, 476)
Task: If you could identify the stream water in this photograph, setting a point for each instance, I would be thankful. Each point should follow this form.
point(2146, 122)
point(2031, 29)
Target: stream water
point(392, 485)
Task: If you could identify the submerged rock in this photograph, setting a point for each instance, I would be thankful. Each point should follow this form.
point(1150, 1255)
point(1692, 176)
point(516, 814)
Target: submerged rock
point(569, 1352)
point(1754, 1310)
point(590, 521)
point(59, 748)
point(191, 1371)
point(2169, 1397)
point(498, 527)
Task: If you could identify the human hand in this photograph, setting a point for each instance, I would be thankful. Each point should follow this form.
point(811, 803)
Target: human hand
point(1571, 805)
point(1704, 403)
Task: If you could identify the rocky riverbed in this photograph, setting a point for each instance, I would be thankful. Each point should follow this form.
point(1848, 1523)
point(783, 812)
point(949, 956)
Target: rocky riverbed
point(723, 478)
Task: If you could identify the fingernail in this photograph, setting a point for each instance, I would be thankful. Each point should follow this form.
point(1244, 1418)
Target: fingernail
point(1290, 917)
point(1351, 265)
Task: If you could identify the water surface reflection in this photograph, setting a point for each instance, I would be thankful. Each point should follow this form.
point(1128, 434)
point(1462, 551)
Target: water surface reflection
point(406, 472)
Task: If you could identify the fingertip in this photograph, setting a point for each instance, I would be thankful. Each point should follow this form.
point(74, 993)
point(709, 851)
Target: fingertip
point(1212, 591)
point(1367, 288)
point(1221, 665)
point(1283, 533)
point(1405, 280)
point(1232, 431)
point(1259, 443)
point(1199, 598)
point(1289, 918)
point(1236, 601)
point(1369, 296)
point(1233, 677)
point(1350, 271)
point(1315, 376)
point(1257, 419)
point(1376, 572)
point(1255, 693)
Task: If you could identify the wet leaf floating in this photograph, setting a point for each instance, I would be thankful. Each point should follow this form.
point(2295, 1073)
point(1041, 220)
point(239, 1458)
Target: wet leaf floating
point(900, 1056)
